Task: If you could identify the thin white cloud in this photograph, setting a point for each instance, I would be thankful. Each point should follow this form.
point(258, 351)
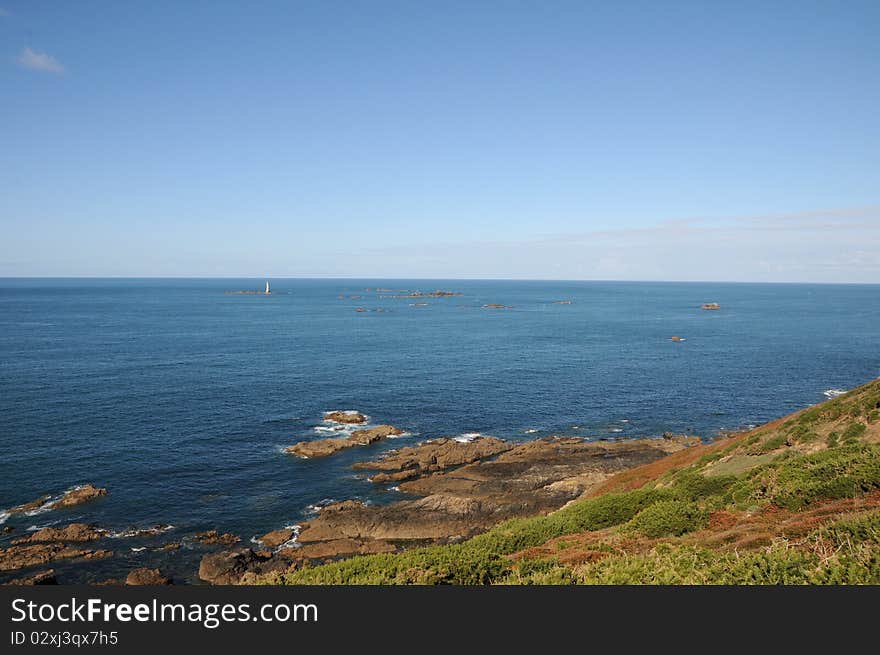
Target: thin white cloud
point(39, 61)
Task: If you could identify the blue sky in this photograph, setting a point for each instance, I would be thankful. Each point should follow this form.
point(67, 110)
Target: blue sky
point(574, 140)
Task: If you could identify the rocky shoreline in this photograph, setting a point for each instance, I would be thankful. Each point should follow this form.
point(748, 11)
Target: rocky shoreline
point(454, 488)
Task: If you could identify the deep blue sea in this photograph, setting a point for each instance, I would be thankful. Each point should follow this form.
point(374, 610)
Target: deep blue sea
point(179, 397)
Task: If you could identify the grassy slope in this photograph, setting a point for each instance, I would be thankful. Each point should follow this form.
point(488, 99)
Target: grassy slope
point(794, 501)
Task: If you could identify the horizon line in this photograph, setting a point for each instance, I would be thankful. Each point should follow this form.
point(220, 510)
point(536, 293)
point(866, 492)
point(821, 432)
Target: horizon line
point(412, 279)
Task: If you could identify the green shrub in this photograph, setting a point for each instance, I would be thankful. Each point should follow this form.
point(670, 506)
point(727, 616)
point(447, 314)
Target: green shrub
point(689, 485)
point(853, 432)
point(669, 518)
point(864, 529)
point(797, 481)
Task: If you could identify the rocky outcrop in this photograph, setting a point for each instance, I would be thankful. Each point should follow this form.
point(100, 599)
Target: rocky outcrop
point(147, 577)
point(21, 556)
point(335, 548)
point(76, 532)
point(79, 495)
point(39, 578)
point(325, 447)
point(495, 305)
point(527, 479)
point(277, 537)
point(346, 417)
point(70, 498)
point(232, 566)
point(213, 538)
point(432, 456)
point(425, 294)
point(710, 306)
point(372, 435)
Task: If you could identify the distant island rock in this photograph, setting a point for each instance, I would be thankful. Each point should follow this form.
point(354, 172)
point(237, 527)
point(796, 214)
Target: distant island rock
point(710, 306)
point(347, 417)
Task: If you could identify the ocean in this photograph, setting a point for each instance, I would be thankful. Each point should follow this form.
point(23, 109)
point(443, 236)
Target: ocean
point(179, 397)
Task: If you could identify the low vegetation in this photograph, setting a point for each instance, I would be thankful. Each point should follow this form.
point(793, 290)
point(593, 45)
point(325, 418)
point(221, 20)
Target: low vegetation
point(794, 502)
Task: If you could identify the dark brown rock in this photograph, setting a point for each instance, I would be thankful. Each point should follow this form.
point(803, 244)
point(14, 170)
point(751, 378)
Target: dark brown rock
point(147, 577)
point(212, 537)
point(231, 566)
point(39, 578)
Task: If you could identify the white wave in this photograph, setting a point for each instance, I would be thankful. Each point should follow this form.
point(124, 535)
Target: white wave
point(616, 429)
point(467, 437)
point(50, 504)
point(3, 517)
point(402, 435)
point(292, 542)
point(833, 393)
point(315, 508)
point(335, 429)
point(139, 532)
point(35, 528)
point(531, 431)
point(138, 550)
point(393, 488)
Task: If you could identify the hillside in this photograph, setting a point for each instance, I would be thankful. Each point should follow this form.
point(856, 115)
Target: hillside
point(795, 501)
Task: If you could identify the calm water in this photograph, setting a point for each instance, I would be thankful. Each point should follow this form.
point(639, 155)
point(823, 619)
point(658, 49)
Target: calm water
point(179, 397)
